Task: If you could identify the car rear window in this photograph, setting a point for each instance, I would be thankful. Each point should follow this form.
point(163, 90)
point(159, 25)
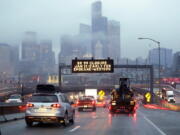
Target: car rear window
point(15, 97)
point(44, 98)
point(86, 98)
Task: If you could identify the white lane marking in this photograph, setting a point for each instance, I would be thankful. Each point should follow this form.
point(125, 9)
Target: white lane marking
point(74, 129)
point(150, 122)
point(94, 117)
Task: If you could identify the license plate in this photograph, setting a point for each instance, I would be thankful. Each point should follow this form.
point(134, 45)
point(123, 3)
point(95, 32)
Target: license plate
point(85, 106)
point(42, 110)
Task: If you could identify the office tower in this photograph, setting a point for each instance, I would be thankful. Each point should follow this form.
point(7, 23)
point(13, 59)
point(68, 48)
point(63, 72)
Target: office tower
point(99, 29)
point(114, 40)
point(30, 48)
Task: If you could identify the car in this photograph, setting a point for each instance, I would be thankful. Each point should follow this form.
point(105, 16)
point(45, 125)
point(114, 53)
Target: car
point(85, 103)
point(49, 108)
point(15, 98)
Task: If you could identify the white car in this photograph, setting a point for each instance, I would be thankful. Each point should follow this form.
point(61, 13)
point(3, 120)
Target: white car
point(49, 107)
point(16, 98)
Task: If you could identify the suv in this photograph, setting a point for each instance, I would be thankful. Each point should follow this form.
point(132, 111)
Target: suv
point(49, 107)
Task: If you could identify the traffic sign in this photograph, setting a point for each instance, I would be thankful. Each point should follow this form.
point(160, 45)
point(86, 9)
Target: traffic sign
point(101, 93)
point(148, 97)
point(92, 66)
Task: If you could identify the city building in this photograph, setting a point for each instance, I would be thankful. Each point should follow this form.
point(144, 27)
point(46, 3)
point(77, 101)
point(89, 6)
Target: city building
point(176, 64)
point(98, 50)
point(166, 57)
point(30, 47)
point(68, 51)
point(114, 40)
point(47, 56)
point(99, 25)
point(5, 59)
point(100, 40)
point(37, 56)
point(15, 58)
point(85, 37)
point(9, 58)
point(96, 9)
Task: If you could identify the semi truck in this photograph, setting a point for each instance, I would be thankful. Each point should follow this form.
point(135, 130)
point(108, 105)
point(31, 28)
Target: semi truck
point(122, 98)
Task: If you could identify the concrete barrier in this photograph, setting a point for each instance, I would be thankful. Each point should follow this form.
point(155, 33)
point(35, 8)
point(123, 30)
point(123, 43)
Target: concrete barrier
point(11, 111)
point(6, 108)
point(170, 106)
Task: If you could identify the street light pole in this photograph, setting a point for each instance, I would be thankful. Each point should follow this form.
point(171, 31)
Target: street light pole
point(159, 50)
point(159, 65)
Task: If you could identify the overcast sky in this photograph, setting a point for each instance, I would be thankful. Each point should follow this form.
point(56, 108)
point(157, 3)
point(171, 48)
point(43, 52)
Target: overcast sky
point(157, 19)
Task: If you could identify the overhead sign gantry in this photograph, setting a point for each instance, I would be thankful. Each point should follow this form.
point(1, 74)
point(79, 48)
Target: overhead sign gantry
point(92, 66)
point(102, 66)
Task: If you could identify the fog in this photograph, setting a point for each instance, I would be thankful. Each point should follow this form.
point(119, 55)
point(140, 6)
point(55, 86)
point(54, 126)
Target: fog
point(51, 19)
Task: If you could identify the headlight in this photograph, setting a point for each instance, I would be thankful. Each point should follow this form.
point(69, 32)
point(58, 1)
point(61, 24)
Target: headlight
point(7, 101)
point(113, 103)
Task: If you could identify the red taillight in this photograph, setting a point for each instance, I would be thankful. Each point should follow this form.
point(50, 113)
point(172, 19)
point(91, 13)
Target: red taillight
point(56, 105)
point(30, 105)
point(93, 102)
point(77, 102)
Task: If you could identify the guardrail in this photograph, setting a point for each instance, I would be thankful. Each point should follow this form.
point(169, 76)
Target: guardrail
point(9, 108)
point(11, 111)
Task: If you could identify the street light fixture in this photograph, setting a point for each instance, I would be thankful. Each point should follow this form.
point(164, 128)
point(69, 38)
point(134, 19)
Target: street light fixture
point(158, 43)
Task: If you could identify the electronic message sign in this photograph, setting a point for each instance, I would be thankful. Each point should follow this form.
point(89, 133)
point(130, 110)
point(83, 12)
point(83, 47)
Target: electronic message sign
point(92, 66)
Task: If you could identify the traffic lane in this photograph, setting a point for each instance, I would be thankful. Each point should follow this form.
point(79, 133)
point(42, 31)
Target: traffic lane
point(167, 121)
point(19, 128)
point(104, 123)
point(145, 122)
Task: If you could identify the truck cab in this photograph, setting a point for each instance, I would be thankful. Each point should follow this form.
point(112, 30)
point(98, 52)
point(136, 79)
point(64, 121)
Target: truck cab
point(168, 95)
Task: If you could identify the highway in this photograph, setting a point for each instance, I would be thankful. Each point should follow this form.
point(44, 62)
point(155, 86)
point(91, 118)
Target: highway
point(144, 122)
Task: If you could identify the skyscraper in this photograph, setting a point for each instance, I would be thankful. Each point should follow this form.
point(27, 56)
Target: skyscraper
point(114, 40)
point(30, 48)
point(46, 53)
point(85, 38)
point(99, 29)
point(96, 9)
point(68, 49)
point(47, 56)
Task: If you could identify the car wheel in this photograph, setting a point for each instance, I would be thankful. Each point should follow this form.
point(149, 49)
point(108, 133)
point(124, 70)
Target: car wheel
point(79, 109)
point(94, 109)
point(111, 111)
point(65, 120)
point(72, 119)
point(29, 123)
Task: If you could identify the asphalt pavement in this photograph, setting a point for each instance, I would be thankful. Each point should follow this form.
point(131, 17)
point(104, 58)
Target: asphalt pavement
point(144, 122)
